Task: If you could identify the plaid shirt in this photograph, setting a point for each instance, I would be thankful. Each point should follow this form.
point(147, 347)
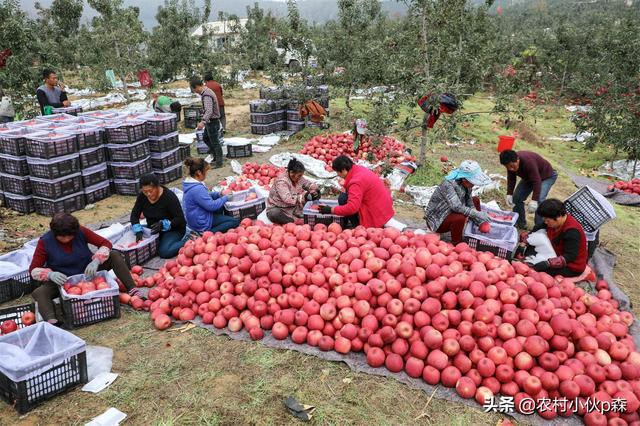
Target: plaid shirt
point(286, 195)
point(451, 197)
point(210, 105)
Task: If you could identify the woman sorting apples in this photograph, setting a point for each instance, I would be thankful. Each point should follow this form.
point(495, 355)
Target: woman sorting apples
point(204, 208)
point(163, 212)
point(289, 193)
point(64, 251)
point(452, 204)
point(366, 196)
point(567, 238)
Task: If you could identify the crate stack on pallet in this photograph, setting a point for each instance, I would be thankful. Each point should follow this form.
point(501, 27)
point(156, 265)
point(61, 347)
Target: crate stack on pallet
point(128, 154)
point(62, 162)
point(166, 155)
point(278, 108)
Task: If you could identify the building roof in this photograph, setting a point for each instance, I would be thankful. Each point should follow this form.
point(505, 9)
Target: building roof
point(217, 27)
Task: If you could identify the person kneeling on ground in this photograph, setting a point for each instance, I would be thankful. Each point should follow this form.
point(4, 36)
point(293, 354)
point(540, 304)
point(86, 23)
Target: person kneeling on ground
point(164, 104)
point(452, 204)
point(164, 215)
point(289, 193)
point(567, 238)
point(63, 252)
point(366, 195)
point(204, 209)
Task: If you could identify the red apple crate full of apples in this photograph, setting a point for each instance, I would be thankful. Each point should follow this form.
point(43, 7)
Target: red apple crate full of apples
point(88, 301)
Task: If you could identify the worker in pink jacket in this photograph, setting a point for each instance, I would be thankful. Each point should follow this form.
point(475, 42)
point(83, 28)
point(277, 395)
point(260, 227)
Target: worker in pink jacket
point(367, 196)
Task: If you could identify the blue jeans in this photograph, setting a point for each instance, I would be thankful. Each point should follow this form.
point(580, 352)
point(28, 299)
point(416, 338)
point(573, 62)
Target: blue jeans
point(222, 223)
point(522, 192)
point(170, 243)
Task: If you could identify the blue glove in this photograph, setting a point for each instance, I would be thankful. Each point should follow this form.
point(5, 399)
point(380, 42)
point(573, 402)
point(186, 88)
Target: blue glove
point(57, 277)
point(166, 225)
point(137, 228)
point(91, 268)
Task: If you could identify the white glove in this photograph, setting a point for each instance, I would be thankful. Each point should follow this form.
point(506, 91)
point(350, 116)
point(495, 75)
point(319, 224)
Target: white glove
point(510, 201)
point(533, 206)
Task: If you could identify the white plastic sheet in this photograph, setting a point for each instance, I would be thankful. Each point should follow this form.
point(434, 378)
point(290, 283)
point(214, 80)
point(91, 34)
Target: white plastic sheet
point(111, 417)
point(32, 350)
point(313, 166)
point(620, 169)
point(113, 232)
point(99, 361)
point(269, 140)
point(128, 237)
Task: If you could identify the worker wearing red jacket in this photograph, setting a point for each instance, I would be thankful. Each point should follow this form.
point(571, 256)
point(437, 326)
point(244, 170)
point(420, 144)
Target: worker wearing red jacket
point(367, 196)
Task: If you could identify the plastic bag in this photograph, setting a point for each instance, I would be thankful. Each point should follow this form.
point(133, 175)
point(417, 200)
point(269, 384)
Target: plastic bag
point(14, 263)
point(112, 233)
point(40, 347)
point(113, 289)
point(128, 240)
point(543, 247)
point(313, 166)
point(99, 360)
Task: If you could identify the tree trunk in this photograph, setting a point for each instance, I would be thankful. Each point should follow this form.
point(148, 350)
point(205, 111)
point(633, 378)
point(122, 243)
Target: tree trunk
point(121, 75)
point(564, 76)
point(425, 39)
point(424, 142)
point(348, 98)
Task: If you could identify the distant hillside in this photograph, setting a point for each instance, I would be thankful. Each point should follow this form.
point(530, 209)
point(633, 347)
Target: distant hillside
point(319, 11)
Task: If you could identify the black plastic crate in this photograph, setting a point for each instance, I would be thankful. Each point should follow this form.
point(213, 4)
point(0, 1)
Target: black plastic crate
point(250, 212)
point(295, 126)
point(68, 204)
point(126, 132)
point(97, 192)
point(70, 110)
point(95, 175)
point(262, 106)
point(13, 165)
point(87, 135)
point(202, 149)
point(327, 219)
point(13, 142)
point(20, 203)
point(15, 313)
point(235, 151)
point(16, 184)
point(165, 160)
point(264, 118)
point(502, 240)
point(54, 168)
point(50, 144)
point(130, 171)
point(169, 175)
point(126, 187)
point(191, 123)
point(15, 287)
point(263, 129)
point(161, 123)
point(141, 254)
point(185, 151)
point(587, 209)
point(164, 143)
point(28, 394)
point(80, 312)
point(134, 152)
point(56, 188)
point(92, 156)
point(194, 112)
point(294, 115)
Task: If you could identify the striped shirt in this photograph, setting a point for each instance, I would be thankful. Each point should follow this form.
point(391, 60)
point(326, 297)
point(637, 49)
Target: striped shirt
point(451, 197)
point(210, 105)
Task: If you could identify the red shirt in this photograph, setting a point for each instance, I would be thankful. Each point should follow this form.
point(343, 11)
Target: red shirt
point(217, 89)
point(40, 254)
point(368, 197)
point(576, 261)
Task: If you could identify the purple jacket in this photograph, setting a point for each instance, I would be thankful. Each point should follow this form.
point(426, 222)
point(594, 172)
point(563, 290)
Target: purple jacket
point(533, 169)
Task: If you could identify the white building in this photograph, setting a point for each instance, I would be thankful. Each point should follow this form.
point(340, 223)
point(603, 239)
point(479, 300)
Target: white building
point(220, 32)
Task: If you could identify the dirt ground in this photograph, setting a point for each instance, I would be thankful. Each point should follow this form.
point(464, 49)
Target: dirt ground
point(174, 378)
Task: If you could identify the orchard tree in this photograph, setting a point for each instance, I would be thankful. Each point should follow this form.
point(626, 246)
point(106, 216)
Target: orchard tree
point(294, 35)
point(444, 48)
point(172, 49)
point(256, 44)
point(22, 72)
point(58, 28)
point(115, 40)
point(360, 45)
